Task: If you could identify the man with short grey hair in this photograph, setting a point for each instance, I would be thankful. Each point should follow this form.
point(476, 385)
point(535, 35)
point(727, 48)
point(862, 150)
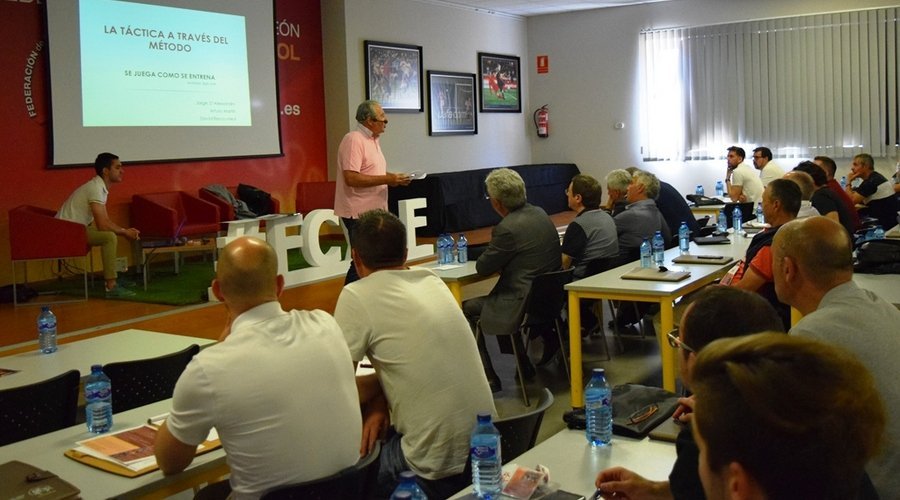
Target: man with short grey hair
point(363, 180)
point(641, 218)
point(523, 245)
point(617, 183)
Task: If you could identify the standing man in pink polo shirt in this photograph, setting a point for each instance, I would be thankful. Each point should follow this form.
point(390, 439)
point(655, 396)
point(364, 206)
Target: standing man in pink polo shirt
point(364, 179)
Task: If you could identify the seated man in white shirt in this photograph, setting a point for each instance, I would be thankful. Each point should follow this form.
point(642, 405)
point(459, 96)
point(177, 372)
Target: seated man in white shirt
point(279, 387)
point(427, 368)
point(741, 182)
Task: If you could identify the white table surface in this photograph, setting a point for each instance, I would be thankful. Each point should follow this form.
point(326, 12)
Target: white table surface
point(610, 285)
point(574, 464)
point(126, 345)
point(46, 452)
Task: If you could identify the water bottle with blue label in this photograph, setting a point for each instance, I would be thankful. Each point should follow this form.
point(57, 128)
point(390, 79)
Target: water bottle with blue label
point(98, 401)
point(760, 216)
point(487, 468)
point(843, 182)
point(878, 233)
point(684, 239)
point(699, 190)
point(598, 409)
point(737, 220)
point(462, 249)
point(659, 248)
point(722, 222)
point(46, 325)
point(720, 188)
point(646, 254)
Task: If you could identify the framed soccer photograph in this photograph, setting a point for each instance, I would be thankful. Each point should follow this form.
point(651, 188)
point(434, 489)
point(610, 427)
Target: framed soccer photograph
point(499, 78)
point(451, 103)
point(394, 75)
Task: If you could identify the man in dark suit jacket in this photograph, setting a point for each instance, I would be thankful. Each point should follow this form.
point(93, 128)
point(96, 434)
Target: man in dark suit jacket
point(523, 245)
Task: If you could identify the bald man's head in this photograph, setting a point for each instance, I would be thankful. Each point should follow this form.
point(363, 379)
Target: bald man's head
point(247, 271)
point(819, 246)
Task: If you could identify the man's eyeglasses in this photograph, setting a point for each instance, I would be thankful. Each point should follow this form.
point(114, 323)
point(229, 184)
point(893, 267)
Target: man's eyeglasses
point(676, 342)
point(380, 121)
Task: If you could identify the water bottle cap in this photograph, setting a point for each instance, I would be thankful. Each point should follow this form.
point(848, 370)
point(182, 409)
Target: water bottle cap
point(599, 371)
point(407, 474)
point(45, 308)
point(484, 417)
point(96, 368)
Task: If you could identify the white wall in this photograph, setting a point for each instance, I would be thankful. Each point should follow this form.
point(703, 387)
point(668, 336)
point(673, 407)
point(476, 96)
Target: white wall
point(593, 80)
point(450, 39)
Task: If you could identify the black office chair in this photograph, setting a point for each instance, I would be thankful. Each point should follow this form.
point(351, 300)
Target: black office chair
point(351, 482)
point(543, 307)
point(145, 381)
point(39, 408)
point(519, 433)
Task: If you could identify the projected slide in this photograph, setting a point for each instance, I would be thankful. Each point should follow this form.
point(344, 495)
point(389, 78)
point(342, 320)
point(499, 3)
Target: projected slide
point(148, 65)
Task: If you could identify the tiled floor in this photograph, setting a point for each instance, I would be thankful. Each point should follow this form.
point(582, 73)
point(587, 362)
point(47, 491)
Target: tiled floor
point(638, 363)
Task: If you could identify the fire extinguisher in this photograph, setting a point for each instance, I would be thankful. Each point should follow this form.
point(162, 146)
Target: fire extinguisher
point(542, 121)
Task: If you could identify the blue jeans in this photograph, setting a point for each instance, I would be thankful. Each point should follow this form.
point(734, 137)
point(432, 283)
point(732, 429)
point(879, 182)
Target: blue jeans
point(391, 463)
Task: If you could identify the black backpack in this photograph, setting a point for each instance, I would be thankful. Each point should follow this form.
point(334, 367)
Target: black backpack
point(257, 200)
point(878, 257)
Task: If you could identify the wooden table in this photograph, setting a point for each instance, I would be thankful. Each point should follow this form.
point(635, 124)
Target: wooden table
point(126, 345)
point(574, 464)
point(610, 285)
point(46, 452)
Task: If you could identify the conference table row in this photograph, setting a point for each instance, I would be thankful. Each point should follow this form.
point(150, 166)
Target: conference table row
point(611, 286)
point(572, 462)
point(126, 345)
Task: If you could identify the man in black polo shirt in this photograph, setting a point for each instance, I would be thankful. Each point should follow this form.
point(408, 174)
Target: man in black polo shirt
point(875, 192)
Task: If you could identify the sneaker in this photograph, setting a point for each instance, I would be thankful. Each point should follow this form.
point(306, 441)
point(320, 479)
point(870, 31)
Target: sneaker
point(119, 292)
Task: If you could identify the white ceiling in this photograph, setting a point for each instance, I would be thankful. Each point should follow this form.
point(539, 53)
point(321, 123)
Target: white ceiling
point(527, 8)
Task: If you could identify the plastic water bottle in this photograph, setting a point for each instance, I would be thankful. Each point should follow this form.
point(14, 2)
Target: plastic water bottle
point(760, 216)
point(699, 190)
point(462, 249)
point(659, 248)
point(720, 188)
point(737, 220)
point(46, 325)
point(442, 249)
point(486, 464)
point(98, 401)
point(843, 182)
point(684, 239)
point(877, 233)
point(598, 409)
point(722, 222)
point(409, 486)
point(646, 254)
point(451, 246)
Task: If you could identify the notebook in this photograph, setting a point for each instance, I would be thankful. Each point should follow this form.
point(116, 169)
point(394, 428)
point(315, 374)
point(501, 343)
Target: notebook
point(654, 274)
point(702, 259)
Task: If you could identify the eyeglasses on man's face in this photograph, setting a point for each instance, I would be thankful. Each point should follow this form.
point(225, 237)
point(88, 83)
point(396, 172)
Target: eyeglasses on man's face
point(676, 342)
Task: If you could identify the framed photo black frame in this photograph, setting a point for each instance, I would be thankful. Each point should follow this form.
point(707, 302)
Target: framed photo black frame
point(394, 75)
point(451, 103)
point(499, 77)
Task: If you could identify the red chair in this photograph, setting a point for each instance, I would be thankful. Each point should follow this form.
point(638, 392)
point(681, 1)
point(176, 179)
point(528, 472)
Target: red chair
point(173, 214)
point(226, 211)
point(36, 234)
point(313, 195)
